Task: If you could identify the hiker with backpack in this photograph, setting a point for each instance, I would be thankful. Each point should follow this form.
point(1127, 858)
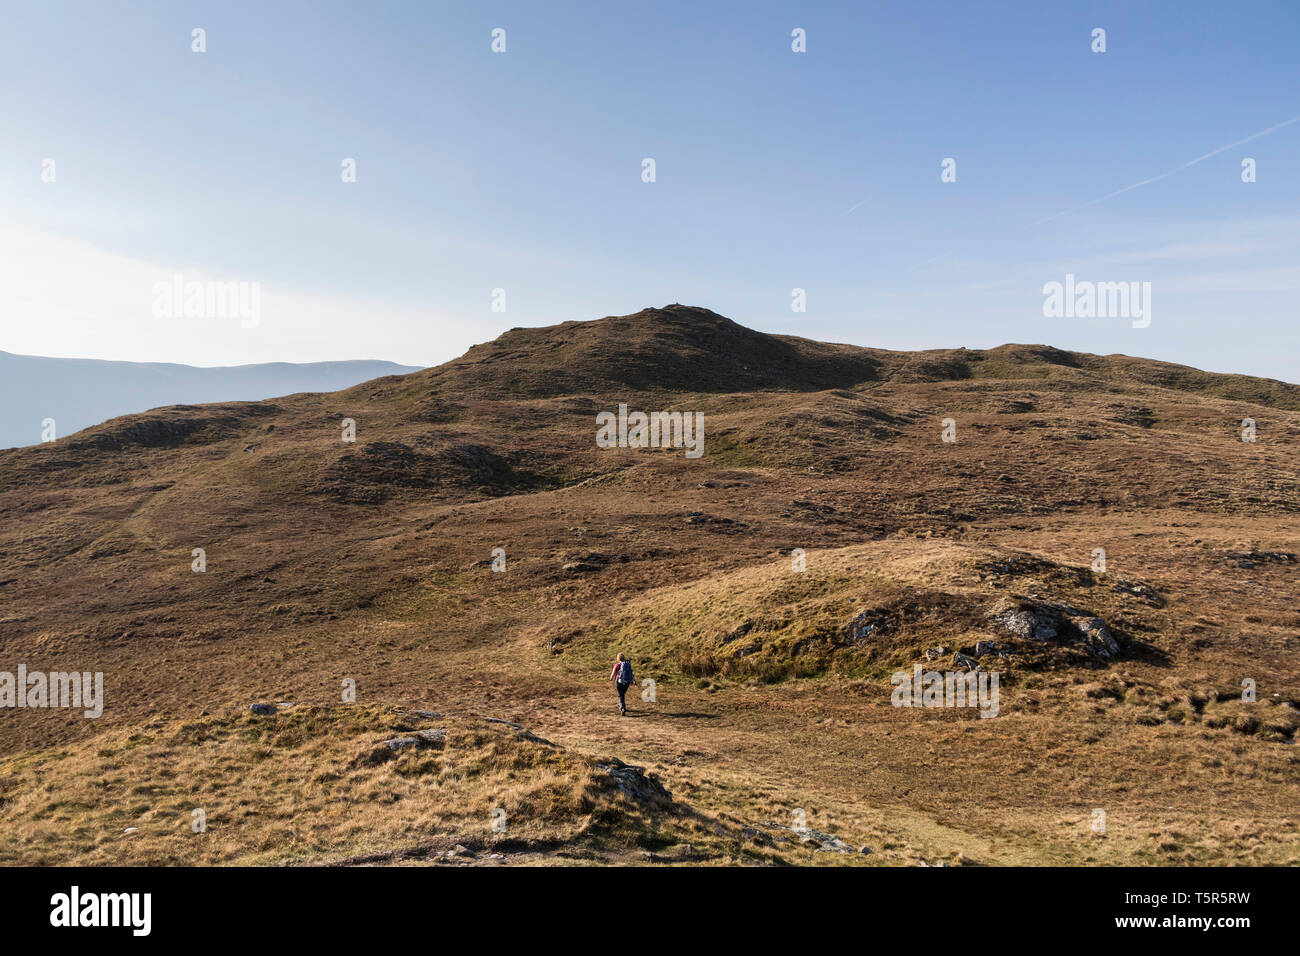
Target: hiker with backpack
point(622, 677)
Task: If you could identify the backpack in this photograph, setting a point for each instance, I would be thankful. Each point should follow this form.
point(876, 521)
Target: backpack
point(625, 673)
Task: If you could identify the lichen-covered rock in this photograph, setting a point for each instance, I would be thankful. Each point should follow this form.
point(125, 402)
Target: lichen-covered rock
point(1061, 624)
point(636, 783)
point(1097, 638)
point(392, 747)
point(861, 628)
point(1032, 624)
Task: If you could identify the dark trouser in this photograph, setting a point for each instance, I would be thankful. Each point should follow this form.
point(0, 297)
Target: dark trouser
point(622, 690)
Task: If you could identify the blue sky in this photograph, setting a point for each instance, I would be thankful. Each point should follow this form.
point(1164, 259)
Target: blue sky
point(522, 171)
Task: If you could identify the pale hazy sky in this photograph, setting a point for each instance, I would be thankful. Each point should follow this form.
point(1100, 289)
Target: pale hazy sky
point(522, 170)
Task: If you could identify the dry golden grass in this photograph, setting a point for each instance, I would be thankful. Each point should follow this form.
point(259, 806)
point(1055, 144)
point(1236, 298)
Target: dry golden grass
point(312, 784)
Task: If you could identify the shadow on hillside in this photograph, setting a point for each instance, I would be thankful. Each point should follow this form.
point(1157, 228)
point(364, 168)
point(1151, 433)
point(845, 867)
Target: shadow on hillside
point(1137, 650)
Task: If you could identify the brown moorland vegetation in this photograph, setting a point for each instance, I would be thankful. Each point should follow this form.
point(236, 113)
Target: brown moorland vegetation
point(371, 562)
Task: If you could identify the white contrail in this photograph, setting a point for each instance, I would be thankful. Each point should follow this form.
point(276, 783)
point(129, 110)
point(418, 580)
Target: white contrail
point(1177, 169)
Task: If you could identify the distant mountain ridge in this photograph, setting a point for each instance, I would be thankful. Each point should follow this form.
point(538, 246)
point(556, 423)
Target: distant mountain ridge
point(77, 393)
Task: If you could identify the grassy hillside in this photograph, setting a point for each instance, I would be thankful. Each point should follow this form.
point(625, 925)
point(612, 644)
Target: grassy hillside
point(372, 561)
